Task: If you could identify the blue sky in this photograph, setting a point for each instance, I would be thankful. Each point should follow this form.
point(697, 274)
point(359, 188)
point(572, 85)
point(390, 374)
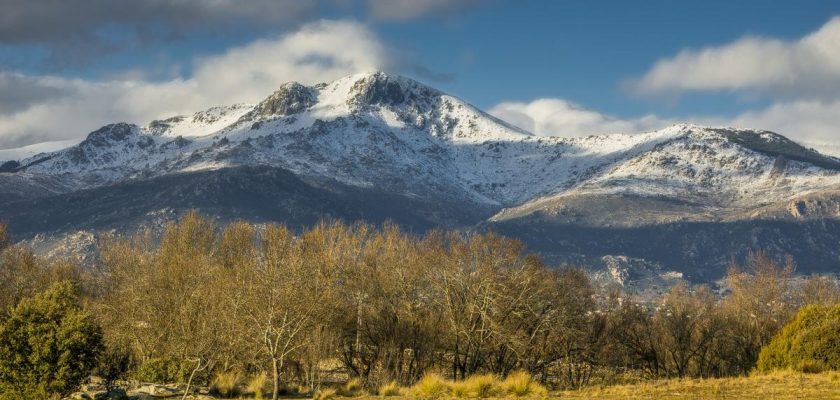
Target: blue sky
point(539, 64)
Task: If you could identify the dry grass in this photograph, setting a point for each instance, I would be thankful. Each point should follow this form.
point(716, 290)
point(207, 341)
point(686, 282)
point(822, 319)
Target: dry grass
point(521, 384)
point(390, 389)
point(777, 385)
point(517, 384)
point(431, 386)
point(258, 385)
point(477, 386)
point(226, 384)
point(352, 388)
point(325, 394)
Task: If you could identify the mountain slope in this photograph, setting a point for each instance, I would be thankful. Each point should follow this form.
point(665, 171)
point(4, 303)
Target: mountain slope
point(364, 130)
point(376, 146)
point(703, 174)
point(258, 194)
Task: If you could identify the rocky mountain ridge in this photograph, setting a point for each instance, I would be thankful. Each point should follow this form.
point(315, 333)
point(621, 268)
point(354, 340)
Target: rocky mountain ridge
point(373, 138)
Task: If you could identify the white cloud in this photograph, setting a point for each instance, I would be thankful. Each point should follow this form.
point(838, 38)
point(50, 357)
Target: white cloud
point(804, 68)
point(802, 77)
point(803, 120)
point(318, 52)
point(45, 108)
point(808, 121)
point(558, 117)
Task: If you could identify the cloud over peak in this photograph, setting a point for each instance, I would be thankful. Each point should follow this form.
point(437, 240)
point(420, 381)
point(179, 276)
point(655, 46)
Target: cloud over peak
point(805, 68)
point(53, 108)
point(559, 117)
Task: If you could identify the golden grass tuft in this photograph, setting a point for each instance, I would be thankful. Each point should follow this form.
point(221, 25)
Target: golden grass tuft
point(477, 386)
point(431, 386)
point(517, 384)
point(325, 394)
point(352, 388)
point(521, 384)
point(226, 383)
point(258, 385)
point(390, 389)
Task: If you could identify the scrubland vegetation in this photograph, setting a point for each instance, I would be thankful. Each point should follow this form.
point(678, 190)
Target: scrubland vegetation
point(338, 310)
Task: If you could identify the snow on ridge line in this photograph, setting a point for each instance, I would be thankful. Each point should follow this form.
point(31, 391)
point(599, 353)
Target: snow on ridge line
point(201, 123)
point(364, 129)
point(20, 153)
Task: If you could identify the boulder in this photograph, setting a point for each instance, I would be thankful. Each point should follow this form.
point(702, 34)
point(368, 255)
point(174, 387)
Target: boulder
point(156, 391)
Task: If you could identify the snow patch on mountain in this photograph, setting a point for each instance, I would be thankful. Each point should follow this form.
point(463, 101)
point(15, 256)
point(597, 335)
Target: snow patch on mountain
point(34, 149)
point(392, 133)
point(199, 124)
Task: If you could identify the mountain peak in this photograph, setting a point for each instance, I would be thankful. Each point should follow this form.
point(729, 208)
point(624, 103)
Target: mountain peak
point(290, 98)
point(380, 88)
point(110, 133)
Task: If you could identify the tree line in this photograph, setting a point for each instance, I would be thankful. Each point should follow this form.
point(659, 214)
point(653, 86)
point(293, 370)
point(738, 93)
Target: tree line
point(381, 306)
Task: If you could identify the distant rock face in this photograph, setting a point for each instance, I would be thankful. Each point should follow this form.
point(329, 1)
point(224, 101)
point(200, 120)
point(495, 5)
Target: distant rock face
point(814, 207)
point(291, 98)
point(108, 134)
point(376, 89)
point(636, 276)
point(9, 166)
point(159, 127)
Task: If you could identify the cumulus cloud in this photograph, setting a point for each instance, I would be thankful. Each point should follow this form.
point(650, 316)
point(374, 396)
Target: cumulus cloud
point(807, 121)
point(804, 68)
point(54, 108)
point(409, 9)
point(558, 117)
point(803, 120)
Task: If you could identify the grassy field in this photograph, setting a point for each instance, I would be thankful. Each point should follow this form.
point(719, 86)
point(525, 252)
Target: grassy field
point(780, 385)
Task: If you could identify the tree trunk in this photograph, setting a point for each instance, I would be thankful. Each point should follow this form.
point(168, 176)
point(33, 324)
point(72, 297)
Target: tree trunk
point(189, 381)
point(275, 368)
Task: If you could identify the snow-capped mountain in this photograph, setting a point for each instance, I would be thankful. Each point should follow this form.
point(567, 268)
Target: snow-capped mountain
point(372, 139)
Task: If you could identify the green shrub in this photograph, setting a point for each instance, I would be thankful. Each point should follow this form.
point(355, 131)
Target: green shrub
point(161, 370)
point(811, 341)
point(48, 345)
point(114, 364)
point(810, 367)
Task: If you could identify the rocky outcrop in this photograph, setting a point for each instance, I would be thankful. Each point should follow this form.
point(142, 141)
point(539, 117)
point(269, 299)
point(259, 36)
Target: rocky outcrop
point(95, 389)
point(376, 89)
point(291, 98)
point(9, 166)
point(160, 127)
point(108, 134)
point(127, 390)
point(814, 207)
